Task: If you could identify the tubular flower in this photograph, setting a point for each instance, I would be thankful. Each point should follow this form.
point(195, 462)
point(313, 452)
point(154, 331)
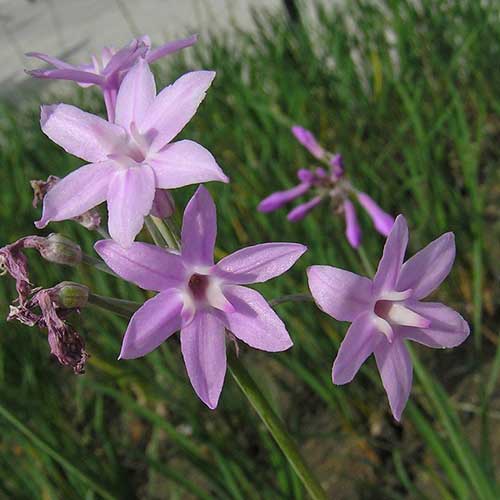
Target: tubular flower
point(200, 298)
point(387, 311)
point(108, 71)
point(132, 158)
point(330, 185)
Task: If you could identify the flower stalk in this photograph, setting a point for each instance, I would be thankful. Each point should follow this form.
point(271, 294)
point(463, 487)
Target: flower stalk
point(276, 428)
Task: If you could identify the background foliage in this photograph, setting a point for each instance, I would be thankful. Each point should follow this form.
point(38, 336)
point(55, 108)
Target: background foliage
point(410, 95)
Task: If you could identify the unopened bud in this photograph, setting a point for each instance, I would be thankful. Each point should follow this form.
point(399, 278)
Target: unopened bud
point(69, 295)
point(60, 250)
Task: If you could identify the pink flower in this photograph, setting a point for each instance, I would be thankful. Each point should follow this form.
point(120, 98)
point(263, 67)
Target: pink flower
point(129, 159)
point(387, 311)
point(201, 298)
point(108, 71)
point(307, 139)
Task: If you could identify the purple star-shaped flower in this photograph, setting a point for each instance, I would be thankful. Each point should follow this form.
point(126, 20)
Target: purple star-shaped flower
point(108, 71)
point(133, 157)
point(387, 311)
point(201, 298)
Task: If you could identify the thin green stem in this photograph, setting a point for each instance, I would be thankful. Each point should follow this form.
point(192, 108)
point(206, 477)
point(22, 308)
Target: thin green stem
point(295, 297)
point(366, 262)
point(155, 234)
point(276, 428)
point(97, 263)
point(124, 308)
point(164, 230)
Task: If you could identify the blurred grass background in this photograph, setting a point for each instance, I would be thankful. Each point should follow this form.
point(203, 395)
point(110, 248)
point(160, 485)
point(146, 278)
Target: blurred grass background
point(410, 95)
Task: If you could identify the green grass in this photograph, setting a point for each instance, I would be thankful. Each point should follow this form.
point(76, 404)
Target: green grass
point(416, 117)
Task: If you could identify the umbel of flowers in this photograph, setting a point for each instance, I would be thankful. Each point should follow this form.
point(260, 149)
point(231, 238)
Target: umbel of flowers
point(131, 160)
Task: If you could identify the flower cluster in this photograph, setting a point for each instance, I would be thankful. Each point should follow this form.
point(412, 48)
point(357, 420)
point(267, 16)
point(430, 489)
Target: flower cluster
point(329, 183)
point(133, 163)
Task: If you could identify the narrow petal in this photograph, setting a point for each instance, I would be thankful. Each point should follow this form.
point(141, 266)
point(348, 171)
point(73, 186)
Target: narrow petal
point(300, 211)
point(280, 198)
point(360, 341)
point(78, 192)
point(203, 347)
point(341, 294)
point(148, 266)
point(136, 94)
point(427, 269)
point(152, 324)
point(396, 371)
point(352, 230)
point(447, 328)
point(125, 57)
point(170, 48)
point(254, 321)
point(260, 263)
point(130, 198)
point(382, 221)
point(307, 139)
point(79, 133)
point(174, 106)
point(183, 163)
point(74, 75)
point(199, 229)
point(57, 63)
point(389, 266)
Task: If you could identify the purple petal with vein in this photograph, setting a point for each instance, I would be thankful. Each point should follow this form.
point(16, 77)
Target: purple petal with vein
point(77, 193)
point(427, 269)
point(341, 294)
point(148, 266)
point(130, 198)
point(183, 163)
point(152, 324)
point(81, 134)
point(260, 263)
point(170, 47)
point(254, 321)
point(203, 347)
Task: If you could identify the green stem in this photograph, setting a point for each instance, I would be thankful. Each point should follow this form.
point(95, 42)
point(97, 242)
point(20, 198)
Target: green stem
point(65, 464)
point(154, 232)
point(97, 263)
point(124, 308)
point(276, 428)
point(166, 233)
point(366, 262)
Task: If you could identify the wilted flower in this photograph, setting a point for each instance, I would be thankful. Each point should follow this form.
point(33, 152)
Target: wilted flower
point(330, 185)
point(129, 160)
point(48, 309)
point(108, 71)
point(387, 311)
point(201, 298)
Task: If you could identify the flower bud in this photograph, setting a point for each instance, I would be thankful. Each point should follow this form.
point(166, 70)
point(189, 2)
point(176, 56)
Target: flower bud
point(69, 295)
point(60, 250)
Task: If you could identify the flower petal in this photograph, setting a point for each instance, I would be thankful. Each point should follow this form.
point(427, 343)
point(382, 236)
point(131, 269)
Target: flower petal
point(280, 198)
point(174, 106)
point(307, 139)
point(75, 75)
point(254, 321)
point(341, 294)
point(148, 266)
point(183, 163)
point(76, 193)
point(260, 263)
point(199, 229)
point(427, 269)
point(359, 342)
point(352, 230)
point(390, 264)
point(130, 198)
point(136, 94)
point(396, 371)
point(203, 347)
point(382, 221)
point(300, 211)
point(152, 324)
point(79, 133)
point(447, 327)
point(170, 48)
